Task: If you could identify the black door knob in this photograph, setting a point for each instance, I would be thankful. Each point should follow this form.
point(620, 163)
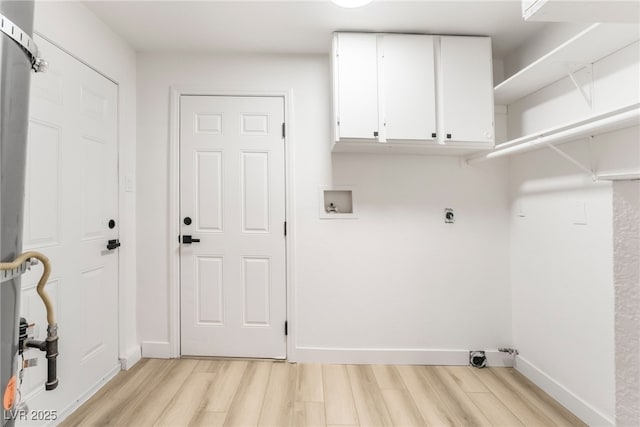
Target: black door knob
point(112, 224)
point(189, 239)
point(187, 220)
point(113, 244)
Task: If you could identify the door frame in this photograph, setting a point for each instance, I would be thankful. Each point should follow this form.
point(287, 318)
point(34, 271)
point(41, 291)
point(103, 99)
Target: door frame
point(174, 209)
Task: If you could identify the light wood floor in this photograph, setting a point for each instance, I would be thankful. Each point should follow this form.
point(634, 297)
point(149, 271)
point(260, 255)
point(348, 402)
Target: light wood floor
point(190, 392)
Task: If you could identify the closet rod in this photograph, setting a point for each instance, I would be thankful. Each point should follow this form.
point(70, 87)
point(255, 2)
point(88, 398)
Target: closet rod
point(618, 121)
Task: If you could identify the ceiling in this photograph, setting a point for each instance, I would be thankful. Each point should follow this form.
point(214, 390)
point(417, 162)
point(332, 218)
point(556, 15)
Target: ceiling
point(302, 26)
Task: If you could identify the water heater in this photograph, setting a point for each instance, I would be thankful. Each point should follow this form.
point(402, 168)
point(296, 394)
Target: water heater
point(18, 58)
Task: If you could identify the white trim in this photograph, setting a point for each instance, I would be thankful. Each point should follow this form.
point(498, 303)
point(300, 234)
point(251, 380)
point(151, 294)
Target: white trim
point(563, 395)
point(500, 109)
point(62, 415)
point(396, 356)
point(131, 357)
point(157, 350)
point(174, 211)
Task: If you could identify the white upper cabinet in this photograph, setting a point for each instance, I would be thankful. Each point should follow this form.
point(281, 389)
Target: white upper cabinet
point(356, 85)
point(417, 93)
point(466, 96)
point(408, 87)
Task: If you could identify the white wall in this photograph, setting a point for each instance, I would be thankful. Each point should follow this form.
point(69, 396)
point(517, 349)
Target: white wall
point(395, 279)
point(561, 271)
point(73, 27)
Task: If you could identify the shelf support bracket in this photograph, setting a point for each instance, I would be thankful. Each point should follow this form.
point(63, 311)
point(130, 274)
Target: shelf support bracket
point(571, 160)
point(579, 87)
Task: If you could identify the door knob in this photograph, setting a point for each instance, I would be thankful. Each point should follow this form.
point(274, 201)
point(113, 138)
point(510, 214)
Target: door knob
point(188, 239)
point(113, 244)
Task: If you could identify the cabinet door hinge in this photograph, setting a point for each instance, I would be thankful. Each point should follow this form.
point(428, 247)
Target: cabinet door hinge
point(286, 327)
point(285, 228)
point(284, 132)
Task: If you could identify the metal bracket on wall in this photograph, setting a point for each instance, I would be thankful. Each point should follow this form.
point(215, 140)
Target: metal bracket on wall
point(571, 70)
point(25, 42)
point(571, 160)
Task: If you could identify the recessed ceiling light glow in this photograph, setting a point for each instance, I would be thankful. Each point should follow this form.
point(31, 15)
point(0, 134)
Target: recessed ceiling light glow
point(351, 3)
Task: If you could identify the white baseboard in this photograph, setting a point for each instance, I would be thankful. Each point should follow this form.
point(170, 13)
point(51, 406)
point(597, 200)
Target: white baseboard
point(85, 396)
point(564, 396)
point(131, 357)
point(401, 356)
point(156, 349)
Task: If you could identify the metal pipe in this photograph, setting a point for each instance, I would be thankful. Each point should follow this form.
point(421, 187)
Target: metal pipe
point(48, 305)
point(619, 176)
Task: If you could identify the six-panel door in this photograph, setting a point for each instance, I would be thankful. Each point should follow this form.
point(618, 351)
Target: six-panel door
point(71, 194)
point(233, 293)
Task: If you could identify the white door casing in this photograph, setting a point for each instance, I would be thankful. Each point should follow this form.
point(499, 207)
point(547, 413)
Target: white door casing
point(232, 186)
point(71, 194)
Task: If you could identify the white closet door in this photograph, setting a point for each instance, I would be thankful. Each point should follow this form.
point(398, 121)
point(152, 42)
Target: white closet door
point(466, 78)
point(357, 86)
point(71, 195)
point(408, 83)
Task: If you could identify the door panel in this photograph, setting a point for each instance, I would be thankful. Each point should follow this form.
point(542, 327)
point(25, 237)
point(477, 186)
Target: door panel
point(467, 88)
point(209, 295)
point(255, 192)
point(209, 191)
point(408, 82)
point(357, 85)
point(233, 291)
point(71, 193)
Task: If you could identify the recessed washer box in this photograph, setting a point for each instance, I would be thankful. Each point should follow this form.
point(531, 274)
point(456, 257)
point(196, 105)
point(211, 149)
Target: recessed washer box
point(337, 203)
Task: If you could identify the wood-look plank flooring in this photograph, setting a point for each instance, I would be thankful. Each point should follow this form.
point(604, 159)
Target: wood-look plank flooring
point(190, 392)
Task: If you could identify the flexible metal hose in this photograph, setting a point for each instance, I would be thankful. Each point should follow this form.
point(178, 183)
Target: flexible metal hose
point(41, 283)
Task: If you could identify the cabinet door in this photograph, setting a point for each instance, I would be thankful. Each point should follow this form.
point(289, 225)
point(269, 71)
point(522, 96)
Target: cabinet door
point(357, 85)
point(408, 87)
point(466, 83)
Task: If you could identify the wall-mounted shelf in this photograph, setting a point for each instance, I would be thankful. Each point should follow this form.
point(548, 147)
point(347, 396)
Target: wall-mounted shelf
point(594, 125)
point(588, 46)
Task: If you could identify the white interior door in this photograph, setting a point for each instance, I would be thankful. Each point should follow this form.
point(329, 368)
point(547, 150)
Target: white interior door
point(71, 194)
point(232, 190)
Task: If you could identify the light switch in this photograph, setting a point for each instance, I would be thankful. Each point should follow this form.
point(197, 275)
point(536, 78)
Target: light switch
point(128, 183)
point(520, 209)
point(579, 213)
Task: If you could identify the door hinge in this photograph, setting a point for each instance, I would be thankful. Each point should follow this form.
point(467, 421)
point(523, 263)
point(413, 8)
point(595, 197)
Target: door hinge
point(284, 132)
point(286, 327)
point(285, 228)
